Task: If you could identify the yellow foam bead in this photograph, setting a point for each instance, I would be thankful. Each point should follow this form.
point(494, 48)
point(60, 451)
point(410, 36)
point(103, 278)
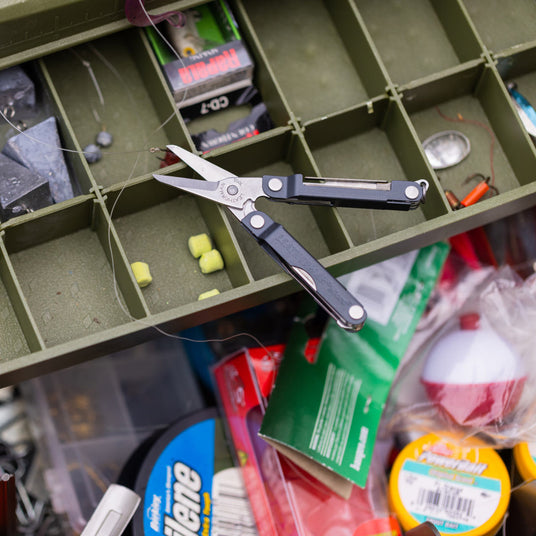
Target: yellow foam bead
point(199, 244)
point(211, 261)
point(141, 273)
point(208, 294)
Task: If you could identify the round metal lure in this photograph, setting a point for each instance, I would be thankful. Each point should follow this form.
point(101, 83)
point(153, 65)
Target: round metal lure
point(447, 148)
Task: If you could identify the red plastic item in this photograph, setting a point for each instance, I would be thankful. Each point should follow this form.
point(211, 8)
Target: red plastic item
point(472, 375)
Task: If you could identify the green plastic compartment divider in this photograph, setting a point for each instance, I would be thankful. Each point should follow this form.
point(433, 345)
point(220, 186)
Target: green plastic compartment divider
point(77, 163)
point(460, 29)
point(162, 99)
point(33, 241)
point(472, 82)
point(33, 28)
point(509, 130)
point(264, 79)
point(138, 206)
point(374, 141)
point(439, 28)
point(360, 47)
point(18, 305)
point(303, 66)
point(502, 25)
point(128, 289)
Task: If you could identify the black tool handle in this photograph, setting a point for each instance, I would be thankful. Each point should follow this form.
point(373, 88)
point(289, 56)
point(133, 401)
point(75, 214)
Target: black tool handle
point(301, 265)
point(394, 195)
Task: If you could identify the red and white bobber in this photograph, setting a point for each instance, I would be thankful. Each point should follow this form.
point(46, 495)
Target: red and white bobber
point(473, 375)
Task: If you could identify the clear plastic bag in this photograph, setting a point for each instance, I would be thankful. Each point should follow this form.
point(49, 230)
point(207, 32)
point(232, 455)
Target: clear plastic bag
point(468, 369)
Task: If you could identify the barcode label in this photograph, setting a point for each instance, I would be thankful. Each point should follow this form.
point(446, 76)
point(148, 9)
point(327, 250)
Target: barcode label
point(456, 501)
point(449, 502)
point(231, 510)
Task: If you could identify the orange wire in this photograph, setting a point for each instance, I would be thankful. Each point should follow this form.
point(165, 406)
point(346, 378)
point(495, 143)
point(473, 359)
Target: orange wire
point(461, 119)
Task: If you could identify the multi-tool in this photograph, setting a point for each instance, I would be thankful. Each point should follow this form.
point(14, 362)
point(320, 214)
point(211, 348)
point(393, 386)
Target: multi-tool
point(239, 194)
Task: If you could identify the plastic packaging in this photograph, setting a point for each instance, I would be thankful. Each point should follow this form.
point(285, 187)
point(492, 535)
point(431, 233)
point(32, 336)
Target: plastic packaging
point(470, 360)
point(286, 500)
point(90, 418)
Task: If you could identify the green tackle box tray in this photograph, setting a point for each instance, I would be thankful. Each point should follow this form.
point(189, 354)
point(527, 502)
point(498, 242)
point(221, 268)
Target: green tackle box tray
point(353, 87)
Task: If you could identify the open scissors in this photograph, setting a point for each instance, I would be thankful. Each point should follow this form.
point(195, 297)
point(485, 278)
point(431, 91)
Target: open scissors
point(239, 194)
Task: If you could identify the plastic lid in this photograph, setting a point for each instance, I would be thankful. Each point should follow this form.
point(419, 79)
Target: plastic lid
point(525, 458)
point(460, 489)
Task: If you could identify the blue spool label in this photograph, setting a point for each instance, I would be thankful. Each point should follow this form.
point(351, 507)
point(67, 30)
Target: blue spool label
point(192, 489)
point(178, 494)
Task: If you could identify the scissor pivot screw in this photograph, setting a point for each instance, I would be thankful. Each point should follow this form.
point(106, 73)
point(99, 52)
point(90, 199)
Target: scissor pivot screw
point(356, 312)
point(232, 189)
point(275, 184)
point(412, 192)
point(257, 221)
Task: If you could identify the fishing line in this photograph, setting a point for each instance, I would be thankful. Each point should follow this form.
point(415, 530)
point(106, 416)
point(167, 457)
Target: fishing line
point(116, 290)
point(65, 150)
point(138, 153)
point(87, 65)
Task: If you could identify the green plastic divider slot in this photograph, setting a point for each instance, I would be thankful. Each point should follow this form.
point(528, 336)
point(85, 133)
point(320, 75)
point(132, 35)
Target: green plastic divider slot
point(307, 53)
point(112, 84)
point(17, 330)
point(431, 41)
point(489, 123)
point(63, 267)
point(502, 25)
point(157, 233)
point(372, 143)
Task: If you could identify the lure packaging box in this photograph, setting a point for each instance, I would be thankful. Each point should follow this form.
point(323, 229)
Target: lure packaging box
point(286, 500)
point(242, 387)
point(258, 120)
point(214, 59)
point(327, 421)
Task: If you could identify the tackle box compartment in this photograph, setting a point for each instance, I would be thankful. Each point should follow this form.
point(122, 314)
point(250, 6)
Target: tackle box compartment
point(353, 88)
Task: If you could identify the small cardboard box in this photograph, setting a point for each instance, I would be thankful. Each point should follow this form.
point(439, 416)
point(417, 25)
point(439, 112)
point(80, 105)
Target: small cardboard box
point(210, 55)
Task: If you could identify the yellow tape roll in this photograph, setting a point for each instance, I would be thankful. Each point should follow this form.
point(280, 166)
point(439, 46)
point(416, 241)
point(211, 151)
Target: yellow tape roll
point(525, 458)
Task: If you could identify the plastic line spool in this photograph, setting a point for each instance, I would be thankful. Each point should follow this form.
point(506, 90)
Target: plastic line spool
point(187, 481)
point(462, 490)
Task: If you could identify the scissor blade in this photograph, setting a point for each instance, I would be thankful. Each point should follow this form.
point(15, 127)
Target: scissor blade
point(207, 170)
point(194, 186)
